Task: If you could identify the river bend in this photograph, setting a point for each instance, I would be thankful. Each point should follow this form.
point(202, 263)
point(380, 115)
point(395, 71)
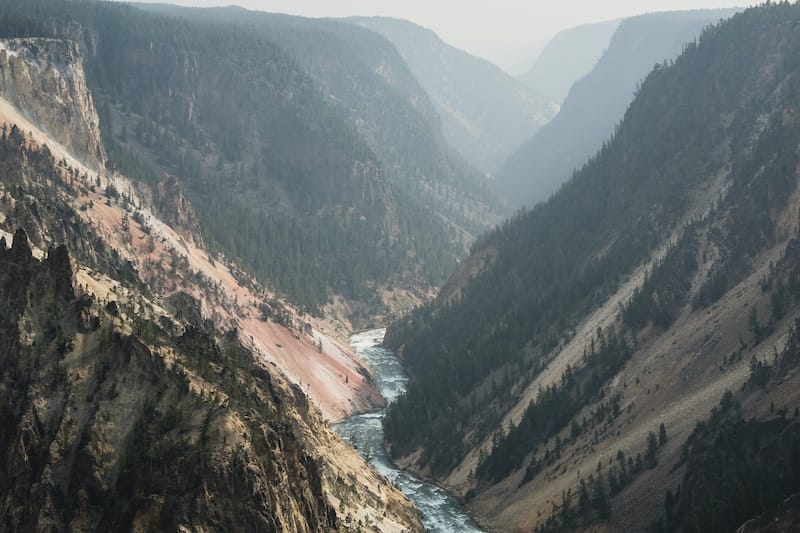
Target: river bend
point(440, 512)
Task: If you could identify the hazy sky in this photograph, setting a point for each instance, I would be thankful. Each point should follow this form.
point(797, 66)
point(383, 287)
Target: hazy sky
point(505, 31)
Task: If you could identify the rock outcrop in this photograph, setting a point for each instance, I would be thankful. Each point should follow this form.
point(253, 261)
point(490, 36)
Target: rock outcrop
point(175, 209)
point(117, 413)
point(45, 79)
point(102, 430)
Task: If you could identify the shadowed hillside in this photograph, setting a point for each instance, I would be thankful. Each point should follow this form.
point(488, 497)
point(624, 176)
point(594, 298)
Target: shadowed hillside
point(485, 112)
point(568, 57)
point(596, 103)
point(633, 298)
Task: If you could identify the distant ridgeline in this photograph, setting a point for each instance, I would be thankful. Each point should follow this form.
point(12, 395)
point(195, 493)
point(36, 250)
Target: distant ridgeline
point(695, 191)
point(485, 112)
point(596, 102)
point(567, 57)
point(309, 151)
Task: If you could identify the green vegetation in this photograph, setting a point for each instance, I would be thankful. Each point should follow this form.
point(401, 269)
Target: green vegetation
point(666, 289)
point(469, 359)
point(301, 161)
point(556, 406)
point(596, 101)
point(596, 491)
point(736, 469)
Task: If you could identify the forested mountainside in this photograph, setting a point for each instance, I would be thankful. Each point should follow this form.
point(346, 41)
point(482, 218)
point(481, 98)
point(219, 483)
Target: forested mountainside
point(568, 57)
point(321, 177)
point(140, 384)
point(485, 112)
point(382, 98)
point(567, 363)
point(596, 103)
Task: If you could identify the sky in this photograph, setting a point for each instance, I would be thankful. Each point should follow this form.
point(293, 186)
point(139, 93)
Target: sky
point(507, 32)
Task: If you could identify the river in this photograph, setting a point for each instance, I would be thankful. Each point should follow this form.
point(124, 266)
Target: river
point(440, 512)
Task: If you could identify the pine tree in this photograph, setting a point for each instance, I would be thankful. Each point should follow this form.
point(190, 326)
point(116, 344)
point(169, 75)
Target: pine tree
point(567, 519)
point(652, 449)
point(755, 326)
point(600, 498)
point(584, 501)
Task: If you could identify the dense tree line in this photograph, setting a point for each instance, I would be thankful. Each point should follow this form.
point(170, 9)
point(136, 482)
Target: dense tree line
point(556, 406)
point(736, 469)
point(300, 159)
point(550, 266)
point(666, 289)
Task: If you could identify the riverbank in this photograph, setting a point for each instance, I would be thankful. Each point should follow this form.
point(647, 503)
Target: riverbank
point(440, 512)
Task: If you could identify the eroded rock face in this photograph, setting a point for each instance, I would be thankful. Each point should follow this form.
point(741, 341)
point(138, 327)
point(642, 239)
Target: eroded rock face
point(101, 432)
point(117, 414)
point(45, 79)
point(176, 210)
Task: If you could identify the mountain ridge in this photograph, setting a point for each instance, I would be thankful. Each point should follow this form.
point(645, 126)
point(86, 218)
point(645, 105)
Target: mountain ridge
point(567, 57)
point(281, 181)
point(596, 103)
point(132, 397)
point(562, 355)
point(485, 112)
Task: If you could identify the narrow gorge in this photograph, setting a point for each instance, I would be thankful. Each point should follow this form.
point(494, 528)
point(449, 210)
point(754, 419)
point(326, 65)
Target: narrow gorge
point(343, 274)
point(440, 512)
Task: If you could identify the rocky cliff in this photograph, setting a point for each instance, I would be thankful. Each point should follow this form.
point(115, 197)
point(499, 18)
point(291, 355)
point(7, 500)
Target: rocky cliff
point(44, 78)
point(143, 384)
point(111, 424)
point(102, 430)
point(175, 209)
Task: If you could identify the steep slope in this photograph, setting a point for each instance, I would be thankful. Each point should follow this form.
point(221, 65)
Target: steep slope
point(115, 438)
point(363, 73)
point(596, 103)
point(568, 57)
point(438, 203)
point(318, 191)
point(136, 389)
point(35, 70)
point(109, 202)
point(661, 275)
point(485, 113)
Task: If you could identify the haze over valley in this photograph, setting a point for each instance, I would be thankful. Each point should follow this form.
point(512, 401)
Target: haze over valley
point(364, 266)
